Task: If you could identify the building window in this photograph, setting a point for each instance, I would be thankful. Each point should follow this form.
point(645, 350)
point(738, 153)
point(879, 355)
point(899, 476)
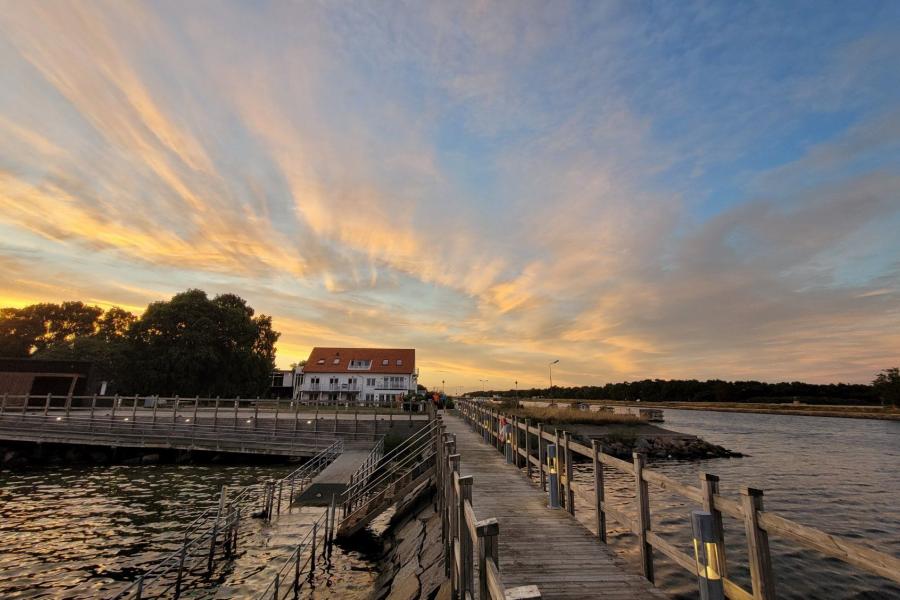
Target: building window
point(399, 362)
point(337, 361)
point(360, 365)
point(385, 362)
point(321, 361)
point(370, 382)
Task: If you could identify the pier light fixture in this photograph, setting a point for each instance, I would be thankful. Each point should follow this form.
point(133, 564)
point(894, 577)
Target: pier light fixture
point(706, 555)
point(187, 420)
point(309, 422)
point(126, 418)
point(249, 420)
point(553, 476)
point(59, 418)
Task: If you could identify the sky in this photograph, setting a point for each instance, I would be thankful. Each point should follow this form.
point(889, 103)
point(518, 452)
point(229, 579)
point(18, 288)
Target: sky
point(638, 189)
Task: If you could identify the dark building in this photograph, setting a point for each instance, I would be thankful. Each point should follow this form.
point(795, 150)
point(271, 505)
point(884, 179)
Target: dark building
point(30, 377)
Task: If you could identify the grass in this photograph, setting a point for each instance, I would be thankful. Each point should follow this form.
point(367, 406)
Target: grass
point(572, 416)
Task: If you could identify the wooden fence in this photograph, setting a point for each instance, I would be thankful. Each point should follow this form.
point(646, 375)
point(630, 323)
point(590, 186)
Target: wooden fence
point(758, 523)
point(465, 536)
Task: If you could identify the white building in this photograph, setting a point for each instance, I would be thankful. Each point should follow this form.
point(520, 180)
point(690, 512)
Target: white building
point(357, 375)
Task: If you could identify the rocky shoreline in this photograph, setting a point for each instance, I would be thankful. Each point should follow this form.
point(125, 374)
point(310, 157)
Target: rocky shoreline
point(412, 564)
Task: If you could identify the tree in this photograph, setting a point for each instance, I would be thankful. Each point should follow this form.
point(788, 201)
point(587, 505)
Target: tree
point(191, 345)
point(887, 386)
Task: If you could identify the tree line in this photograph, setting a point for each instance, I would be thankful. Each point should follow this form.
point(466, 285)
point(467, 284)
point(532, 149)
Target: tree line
point(885, 388)
point(189, 345)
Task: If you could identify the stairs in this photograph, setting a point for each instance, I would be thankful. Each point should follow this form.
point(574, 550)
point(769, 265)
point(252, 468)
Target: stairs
point(398, 473)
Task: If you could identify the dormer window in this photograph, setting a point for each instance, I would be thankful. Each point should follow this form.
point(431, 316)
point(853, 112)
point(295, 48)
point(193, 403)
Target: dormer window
point(337, 361)
point(321, 361)
point(385, 362)
point(399, 362)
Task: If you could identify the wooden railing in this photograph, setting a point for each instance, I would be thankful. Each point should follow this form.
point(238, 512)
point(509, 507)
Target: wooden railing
point(758, 523)
point(465, 536)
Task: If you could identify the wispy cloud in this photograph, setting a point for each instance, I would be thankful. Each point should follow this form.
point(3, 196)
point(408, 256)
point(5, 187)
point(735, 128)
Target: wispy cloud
point(697, 190)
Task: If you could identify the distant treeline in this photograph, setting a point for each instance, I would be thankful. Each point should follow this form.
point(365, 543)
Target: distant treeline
point(713, 390)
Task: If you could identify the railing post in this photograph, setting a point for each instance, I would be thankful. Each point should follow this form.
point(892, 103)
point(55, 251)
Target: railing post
point(68, 404)
point(709, 487)
point(596, 451)
point(452, 467)
point(133, 410)
point(528, 448)
point(47, 404)
point(466, 575)
point(115, 404)
point(280, 485)
point(237, 402)
point(255, 412)
point(541, 458)
point(642, 497)
point(487, 531)
point(570, 494)
point(3, 403)
point(179, 577)
point(560, 489)
point(297, 572)
point(215, 532)
point(175, 409)
point(277, 409)
point(757, 546)
point(155, 406)
point(312, 552)
point(196, 406)
point(216, 414)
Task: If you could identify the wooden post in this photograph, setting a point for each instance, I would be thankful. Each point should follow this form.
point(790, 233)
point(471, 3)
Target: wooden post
point(277, 407)
point(453, 516)
point(466, 574)
point(215, 531)
point(528, 448)
point(180, 575)
point(709, 487)
point(255, 412)
point(155, 406)
point(541, 457)
point(312, 551)
point(488, 548)
point(133, 410)
point(115, 402)
point(237, 401)
point(216, 414)
point(560, 473)
point(174, 410)
point(47, 404)
point(3, 403)
point(570, 494)
point(757, 546)
point(598, 491)
point(196, 406)
point(68, 404)
point(642, 497)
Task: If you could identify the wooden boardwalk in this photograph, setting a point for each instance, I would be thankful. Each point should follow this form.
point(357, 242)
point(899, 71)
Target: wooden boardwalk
point(539, 546)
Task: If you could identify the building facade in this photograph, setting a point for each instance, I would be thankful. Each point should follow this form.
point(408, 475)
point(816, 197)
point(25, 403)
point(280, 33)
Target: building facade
point(363, 376)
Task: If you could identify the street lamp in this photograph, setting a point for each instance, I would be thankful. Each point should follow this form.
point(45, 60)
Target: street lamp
point(550, 366)
point(517, 393)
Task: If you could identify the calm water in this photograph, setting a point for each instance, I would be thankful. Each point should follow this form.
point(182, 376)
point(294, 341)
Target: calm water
point(838, 475)
point(79, 532)
point(83, 532)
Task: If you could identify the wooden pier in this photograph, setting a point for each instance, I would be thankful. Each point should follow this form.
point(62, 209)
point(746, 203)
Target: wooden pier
point(538, 546)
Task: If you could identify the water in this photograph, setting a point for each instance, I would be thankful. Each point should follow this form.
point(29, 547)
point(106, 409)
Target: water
point(80, 532)
point(838, 475)
point(83, 533)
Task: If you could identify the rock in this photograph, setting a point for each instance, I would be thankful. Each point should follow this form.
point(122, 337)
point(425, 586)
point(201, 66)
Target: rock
point(406, 588)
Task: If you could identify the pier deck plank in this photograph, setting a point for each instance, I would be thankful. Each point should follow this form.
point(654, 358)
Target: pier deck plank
point(539, 546)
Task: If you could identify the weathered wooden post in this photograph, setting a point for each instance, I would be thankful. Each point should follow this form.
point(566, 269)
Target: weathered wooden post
point(216, 414)
point(155, 406)
point(280, 485)
point(541, 471)
point(596, 451)
point(761, 575)
point(68, 404)
point(255, 412)
point(115, 403)
point(196, 406)
point(3, 403)
point(453, 515)
point(133, 411)
point(488, 548)
point(560, 456)
point(528, 448)
point(47, 404)
point(466, 571)
point(709, 487)
point(174, 409)
point(237, 402)
point(277, 409)
point(642, 498)
point(297, 572)
point(570, 494)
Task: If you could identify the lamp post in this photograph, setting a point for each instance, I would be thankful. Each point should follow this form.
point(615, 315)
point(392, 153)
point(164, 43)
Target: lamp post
point(550, 366)
point(483, 385)
point(517, 393)
point(553, 475)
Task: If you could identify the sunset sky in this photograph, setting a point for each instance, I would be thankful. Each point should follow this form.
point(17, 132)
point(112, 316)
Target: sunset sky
point(639, 189)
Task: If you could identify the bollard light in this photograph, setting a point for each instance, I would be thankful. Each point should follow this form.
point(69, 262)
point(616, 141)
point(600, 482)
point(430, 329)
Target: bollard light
point(126, 418)
point(59, 418)
point(509, 450)
point(553, 476)
point(706, 555)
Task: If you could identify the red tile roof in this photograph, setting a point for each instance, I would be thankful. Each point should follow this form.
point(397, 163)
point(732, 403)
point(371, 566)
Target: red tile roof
point(322, 360)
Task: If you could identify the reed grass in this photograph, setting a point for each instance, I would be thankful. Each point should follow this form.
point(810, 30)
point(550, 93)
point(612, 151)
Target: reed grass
point(572, 416)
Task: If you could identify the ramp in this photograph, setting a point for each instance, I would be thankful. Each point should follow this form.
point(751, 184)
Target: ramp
point(334, 479)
